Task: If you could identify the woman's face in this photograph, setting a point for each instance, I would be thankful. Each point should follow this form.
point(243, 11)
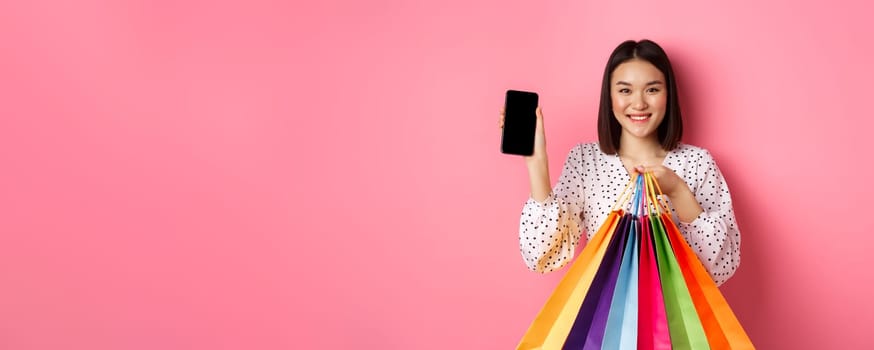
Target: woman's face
point(639, 96)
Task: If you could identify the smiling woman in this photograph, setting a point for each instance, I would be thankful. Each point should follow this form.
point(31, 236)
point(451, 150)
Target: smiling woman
point(639, 130)
point(639, 98)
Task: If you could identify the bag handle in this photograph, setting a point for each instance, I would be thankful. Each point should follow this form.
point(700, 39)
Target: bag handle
point(638, 204)
point(652, 186)
point(625, 195)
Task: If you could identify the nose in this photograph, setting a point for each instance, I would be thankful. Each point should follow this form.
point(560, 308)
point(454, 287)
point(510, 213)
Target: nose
point(639, 103)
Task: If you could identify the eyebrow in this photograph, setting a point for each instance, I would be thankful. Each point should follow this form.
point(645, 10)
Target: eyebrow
point(654, 82)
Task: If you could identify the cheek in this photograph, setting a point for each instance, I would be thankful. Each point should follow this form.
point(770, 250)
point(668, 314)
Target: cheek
point(619, 103)
point(659, 102)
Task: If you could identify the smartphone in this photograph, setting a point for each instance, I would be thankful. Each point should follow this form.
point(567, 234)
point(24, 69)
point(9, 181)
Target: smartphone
point(520, 121)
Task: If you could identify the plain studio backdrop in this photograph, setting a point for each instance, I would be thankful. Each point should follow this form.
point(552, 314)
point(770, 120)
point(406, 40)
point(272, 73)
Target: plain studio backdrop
point(326, 175)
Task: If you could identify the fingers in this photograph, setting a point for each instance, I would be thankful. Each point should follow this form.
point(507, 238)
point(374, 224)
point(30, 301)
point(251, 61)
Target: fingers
point(501, 119)
point(539, 113)
point(654, 170)
point(640, 169)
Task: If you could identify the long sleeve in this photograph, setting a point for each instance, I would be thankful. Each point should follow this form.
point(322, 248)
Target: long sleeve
point(714, 234)
point(549, 232)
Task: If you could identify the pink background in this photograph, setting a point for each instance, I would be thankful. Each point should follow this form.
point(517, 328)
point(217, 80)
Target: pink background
point(207, 175)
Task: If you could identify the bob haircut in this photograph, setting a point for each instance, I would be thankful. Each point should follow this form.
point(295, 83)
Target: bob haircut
point(671, 129)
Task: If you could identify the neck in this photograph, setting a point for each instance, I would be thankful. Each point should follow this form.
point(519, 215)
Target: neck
point(640, 148)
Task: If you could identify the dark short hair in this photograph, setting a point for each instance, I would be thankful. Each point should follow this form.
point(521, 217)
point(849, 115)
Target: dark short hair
point(671, 129)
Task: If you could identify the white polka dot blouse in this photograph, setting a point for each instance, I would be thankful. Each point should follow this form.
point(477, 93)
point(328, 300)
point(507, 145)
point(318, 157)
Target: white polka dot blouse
point(590, 183)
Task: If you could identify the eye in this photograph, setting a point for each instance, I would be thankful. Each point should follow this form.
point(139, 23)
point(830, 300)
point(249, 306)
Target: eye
point(624, 90)
point(653, 90)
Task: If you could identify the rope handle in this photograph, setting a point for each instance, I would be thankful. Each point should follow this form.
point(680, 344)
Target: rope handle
point(652, 187)
point(625, 195)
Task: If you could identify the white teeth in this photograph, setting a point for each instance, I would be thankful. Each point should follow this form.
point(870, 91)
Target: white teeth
point(641, 117)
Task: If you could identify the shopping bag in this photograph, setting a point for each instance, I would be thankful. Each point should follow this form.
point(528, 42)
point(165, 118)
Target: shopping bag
point(554, 321)
point(722, 328)
point(621, 331)
point(591, 321)
point(653, 333)
point(683, 322)
point(636, 285)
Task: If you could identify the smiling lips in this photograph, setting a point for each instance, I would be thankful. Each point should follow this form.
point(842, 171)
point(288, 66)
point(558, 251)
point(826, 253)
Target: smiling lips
point(639, 118)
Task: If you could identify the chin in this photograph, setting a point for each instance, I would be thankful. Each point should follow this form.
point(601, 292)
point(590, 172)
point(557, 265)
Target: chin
point(642, 134)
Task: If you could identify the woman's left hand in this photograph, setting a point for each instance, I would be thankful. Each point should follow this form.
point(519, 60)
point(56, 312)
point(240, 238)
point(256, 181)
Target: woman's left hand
point(670, 183)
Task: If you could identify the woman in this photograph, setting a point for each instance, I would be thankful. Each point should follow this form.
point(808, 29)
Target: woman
point(639, 130)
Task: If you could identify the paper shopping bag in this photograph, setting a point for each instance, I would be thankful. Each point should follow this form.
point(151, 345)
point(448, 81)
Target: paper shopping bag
point(652, 331)
point(591, 321)
point(722, 328)
point(621, 332)
point(552, 325)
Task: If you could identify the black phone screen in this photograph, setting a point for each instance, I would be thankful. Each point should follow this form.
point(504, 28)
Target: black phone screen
point(520, 121)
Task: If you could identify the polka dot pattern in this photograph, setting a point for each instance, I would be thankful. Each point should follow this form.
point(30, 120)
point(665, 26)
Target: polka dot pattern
point(587, 189)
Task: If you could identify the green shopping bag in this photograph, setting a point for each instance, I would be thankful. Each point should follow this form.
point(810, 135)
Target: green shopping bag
point(683, 322)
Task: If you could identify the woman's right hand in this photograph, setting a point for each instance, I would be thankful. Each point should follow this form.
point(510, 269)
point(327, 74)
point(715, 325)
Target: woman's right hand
point(539, 137)
point(538, 169)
